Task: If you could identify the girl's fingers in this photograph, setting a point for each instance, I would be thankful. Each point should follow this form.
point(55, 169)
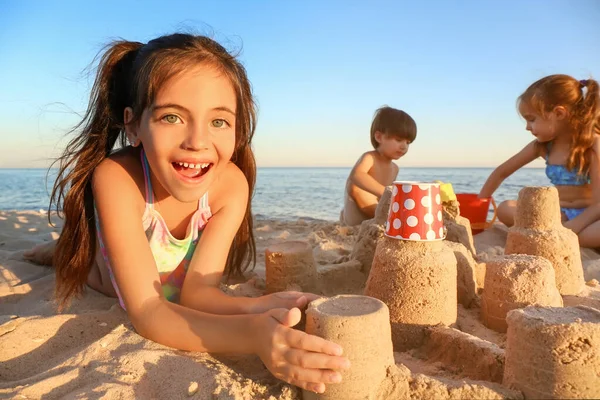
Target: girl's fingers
point(313, 387)
point(303, 377)
point(301, 302)
point(310, 360)
point(303, 341)
point(311, 296)
point(286, 317)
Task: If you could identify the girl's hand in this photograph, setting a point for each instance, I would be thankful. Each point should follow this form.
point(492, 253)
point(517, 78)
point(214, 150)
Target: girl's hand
point(286, 300)
point(298, 358)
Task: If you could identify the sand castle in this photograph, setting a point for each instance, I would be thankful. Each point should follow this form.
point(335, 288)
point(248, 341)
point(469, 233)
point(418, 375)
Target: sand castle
point(560, 358)
point(290, 265)
point(370, 232)
point(343, 319)
point(538, 231)
point(516, 281)
point(442, 348)
point(458, 229)
point(421, 282)
point(466, 270)
point(417, 281)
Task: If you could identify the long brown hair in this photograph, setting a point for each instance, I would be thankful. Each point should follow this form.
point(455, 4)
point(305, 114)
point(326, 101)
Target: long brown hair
point(130, 74)
point(581, 100)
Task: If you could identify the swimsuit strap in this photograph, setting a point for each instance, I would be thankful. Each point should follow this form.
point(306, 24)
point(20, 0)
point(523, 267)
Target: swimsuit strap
point(147, 182)
point(203, 202)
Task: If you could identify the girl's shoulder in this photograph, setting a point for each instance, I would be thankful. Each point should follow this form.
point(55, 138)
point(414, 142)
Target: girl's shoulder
point(121, 172)
point(231, 186)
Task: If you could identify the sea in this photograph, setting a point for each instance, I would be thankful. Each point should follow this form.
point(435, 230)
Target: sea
point(285, 193)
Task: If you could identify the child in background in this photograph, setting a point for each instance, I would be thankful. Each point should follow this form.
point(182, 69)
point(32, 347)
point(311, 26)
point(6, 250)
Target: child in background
point(158, 222)
point(392, 131)
point(564, 116)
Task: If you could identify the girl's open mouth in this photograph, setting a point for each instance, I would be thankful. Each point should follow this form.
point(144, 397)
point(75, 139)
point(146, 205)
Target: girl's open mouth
point(191, 171)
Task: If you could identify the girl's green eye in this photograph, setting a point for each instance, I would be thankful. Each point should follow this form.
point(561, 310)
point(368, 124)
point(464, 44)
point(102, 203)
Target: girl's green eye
point(218, 123)
point(172, 119)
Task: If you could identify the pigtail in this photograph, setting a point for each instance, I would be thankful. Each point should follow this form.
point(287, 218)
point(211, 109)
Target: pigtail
point(100, 128)
point(585, 119)
point(242, 253)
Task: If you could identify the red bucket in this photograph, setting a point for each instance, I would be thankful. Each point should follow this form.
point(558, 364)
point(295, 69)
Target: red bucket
point(475, 209)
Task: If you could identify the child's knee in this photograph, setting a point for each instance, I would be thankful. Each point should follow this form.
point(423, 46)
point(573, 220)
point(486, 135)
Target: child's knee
point(506, 212)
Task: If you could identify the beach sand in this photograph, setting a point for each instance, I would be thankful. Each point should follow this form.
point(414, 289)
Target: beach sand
point(92, 351)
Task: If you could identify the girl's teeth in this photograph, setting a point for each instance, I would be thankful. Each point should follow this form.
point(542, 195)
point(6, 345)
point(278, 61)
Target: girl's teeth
point(195, 166)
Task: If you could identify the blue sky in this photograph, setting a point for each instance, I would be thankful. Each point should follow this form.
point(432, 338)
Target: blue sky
point(319, 69)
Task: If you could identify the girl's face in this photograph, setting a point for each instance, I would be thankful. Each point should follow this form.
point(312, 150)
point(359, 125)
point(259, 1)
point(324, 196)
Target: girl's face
point(188, 133)
point(544, 128)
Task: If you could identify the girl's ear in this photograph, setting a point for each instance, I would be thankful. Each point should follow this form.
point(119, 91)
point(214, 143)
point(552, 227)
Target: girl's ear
point(378, 137)
point(560, 112)
point(130, 128)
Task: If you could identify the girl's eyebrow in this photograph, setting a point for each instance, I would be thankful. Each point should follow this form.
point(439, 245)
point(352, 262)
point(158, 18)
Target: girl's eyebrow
point(226, 109)
point(169, 105)
point(182, 108)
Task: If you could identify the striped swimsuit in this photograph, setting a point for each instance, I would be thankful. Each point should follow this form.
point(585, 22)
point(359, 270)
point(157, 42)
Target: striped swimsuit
point(172, 255)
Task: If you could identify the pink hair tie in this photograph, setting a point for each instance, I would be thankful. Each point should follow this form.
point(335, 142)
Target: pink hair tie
point(583, 82)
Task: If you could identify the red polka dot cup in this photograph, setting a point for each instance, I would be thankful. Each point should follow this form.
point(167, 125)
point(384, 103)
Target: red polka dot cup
point(415, 212)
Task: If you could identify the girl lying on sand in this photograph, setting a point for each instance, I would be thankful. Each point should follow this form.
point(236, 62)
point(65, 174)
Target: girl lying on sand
point(154, 222)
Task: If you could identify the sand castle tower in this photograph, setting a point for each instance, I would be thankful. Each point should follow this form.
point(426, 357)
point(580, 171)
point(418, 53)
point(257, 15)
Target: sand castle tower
point(466, 271)
point(290, 266)
point(458, 229)
point(538, 231)
point(370, 232)
point(383, 207)
point(516, 281)
point(554, 353)
point(413, 271)
point(361, 325)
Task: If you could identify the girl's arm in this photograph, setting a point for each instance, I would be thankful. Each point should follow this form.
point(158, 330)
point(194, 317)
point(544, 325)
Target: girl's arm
point(506, 169)
point(592, 213)
point(115, 194)
point(228, 199)
point(303, 360)
point(361, 178)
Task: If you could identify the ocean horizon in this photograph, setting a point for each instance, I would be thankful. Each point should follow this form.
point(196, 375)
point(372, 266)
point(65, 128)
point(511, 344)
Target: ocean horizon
point(285, 193)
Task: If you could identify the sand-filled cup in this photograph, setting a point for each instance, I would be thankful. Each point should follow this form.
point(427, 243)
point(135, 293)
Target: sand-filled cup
point(415, 212)
point(361, 325)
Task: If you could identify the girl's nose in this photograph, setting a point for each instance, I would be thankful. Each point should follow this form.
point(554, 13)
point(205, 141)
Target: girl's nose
point(198, 138)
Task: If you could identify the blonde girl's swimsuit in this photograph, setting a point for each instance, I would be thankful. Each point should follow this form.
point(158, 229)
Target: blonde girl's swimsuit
point(172, 255)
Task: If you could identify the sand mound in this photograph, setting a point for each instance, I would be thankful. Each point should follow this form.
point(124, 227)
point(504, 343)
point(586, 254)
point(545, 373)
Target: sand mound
point(92, 351)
